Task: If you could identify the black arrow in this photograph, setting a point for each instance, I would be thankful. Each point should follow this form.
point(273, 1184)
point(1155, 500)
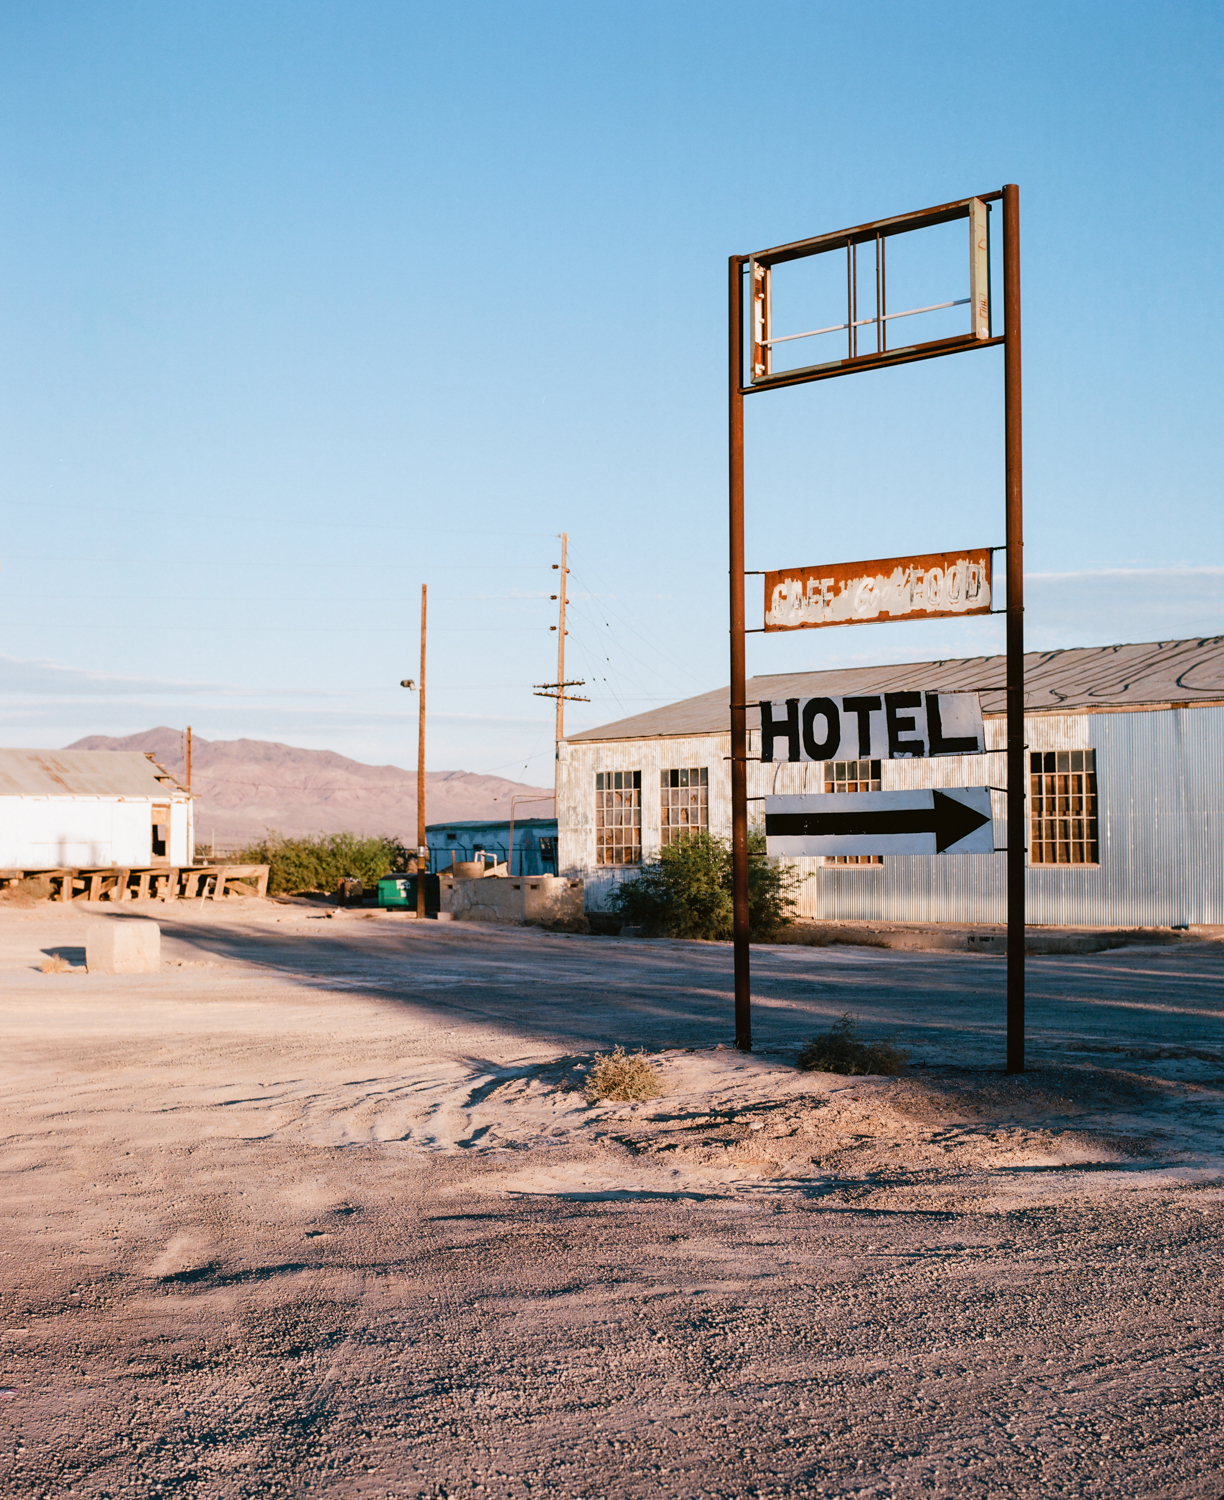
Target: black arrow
point(949, 820)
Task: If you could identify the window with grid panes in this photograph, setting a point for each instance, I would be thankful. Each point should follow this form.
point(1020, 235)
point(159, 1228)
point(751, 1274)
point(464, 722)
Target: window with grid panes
point(1063, 811)
point(684, 803)
point(618, 817)
point(852, 776)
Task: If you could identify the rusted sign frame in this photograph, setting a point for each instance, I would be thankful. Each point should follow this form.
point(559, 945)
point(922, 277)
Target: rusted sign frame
point(761, 263)
point(843, 575)
point(877, 233)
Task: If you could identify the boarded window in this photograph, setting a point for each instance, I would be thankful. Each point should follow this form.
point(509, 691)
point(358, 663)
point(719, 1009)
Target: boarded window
point(684, 803)
point(1063, 788)
point(161, 830)
point(618, 817)
point(852, 776)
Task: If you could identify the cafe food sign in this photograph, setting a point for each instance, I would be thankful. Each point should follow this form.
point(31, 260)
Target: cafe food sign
point(893, 588)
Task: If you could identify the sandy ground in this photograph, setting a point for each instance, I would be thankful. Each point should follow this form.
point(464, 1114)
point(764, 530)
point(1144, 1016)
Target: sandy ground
point(321, 1208)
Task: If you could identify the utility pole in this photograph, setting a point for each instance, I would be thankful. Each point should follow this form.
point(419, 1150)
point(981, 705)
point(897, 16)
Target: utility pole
point(546, 689)
point(561, 641)
point(422, 846)
point(191, 852)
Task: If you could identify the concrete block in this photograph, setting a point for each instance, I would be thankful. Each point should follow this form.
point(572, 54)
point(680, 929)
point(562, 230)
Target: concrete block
point(537, 900)
point(128, 947)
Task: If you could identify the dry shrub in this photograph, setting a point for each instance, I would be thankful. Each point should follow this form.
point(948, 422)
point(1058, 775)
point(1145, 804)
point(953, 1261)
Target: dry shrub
point(616, 1076)
point(26, 892)
point(54, 964)
point(839, 1050)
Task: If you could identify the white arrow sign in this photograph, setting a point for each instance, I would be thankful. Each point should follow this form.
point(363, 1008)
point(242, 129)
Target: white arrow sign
point(935, 820)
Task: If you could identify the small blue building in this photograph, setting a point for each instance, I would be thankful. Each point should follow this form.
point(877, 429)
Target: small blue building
point(535, 844)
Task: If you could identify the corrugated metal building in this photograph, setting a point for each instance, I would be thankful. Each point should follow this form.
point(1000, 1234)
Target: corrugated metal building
point(535, 843)
point(72, 809)
point(1126, 789)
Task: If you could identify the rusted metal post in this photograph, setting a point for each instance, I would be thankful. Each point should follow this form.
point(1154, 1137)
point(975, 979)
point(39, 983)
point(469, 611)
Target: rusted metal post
point(739, 712)
point(1017, 777)
point(422, 846)
point(187, 753)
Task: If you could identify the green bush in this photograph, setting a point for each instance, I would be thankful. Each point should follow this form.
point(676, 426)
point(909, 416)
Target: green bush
point(319, 864)
point(687, 892)
point(839, 1050)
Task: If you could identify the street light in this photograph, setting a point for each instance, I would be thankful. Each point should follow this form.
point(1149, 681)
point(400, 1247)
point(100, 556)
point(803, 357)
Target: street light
point(422, 846)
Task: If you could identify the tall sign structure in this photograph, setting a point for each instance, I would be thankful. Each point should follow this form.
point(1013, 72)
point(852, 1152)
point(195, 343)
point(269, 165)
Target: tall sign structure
point(934, 585)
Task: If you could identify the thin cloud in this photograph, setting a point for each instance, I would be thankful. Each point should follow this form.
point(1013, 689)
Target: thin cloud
point(1176, 570)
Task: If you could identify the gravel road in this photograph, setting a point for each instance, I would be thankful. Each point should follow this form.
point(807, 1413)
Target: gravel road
point(320, 1208)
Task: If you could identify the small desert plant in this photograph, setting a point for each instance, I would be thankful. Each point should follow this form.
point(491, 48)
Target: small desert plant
point(839, 1050)
point(616, 1076)
point(54, 964)
point(26, 892)
point(687, 892)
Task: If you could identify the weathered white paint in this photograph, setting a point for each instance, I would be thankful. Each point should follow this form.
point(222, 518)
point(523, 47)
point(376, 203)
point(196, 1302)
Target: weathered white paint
point(181, 849)
point(1160, 777)
point(47, 833)
point(979, 268)
point(893, 588)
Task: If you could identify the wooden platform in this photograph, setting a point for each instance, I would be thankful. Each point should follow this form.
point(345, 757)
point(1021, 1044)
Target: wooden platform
point(150, 882)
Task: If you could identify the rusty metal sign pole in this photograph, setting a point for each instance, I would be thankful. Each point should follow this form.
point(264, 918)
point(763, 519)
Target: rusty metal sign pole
point(983, 339)
point(1017, 771)
point(739, 707)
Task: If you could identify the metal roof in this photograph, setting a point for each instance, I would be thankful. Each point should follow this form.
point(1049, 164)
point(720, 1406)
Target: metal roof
point(488, 825)
point(1083, 679)
point(83, 773)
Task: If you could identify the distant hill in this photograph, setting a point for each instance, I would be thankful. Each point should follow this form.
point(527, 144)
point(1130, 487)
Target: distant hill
point(245, 787)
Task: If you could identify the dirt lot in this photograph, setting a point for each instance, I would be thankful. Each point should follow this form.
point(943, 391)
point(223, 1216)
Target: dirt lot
point(320, 1208)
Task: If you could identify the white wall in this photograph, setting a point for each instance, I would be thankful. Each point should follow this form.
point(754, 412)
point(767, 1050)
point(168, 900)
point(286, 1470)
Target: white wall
point(53, 832)
point(182, 833)
point(576, 769)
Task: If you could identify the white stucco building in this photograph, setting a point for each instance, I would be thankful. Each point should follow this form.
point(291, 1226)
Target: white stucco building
point(1125, 751)
point(75, 809)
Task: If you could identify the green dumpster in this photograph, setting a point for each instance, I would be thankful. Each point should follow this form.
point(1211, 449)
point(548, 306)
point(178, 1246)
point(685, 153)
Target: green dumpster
point(399, 893)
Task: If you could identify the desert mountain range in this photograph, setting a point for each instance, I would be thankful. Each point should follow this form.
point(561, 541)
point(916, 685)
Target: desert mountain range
point(246, 787)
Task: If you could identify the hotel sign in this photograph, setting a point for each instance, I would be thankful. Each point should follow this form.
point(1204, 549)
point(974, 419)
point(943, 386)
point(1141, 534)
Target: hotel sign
point(872, 726)
point(894, 588)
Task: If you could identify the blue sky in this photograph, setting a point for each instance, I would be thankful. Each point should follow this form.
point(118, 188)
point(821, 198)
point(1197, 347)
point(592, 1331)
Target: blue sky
point(304, 304)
